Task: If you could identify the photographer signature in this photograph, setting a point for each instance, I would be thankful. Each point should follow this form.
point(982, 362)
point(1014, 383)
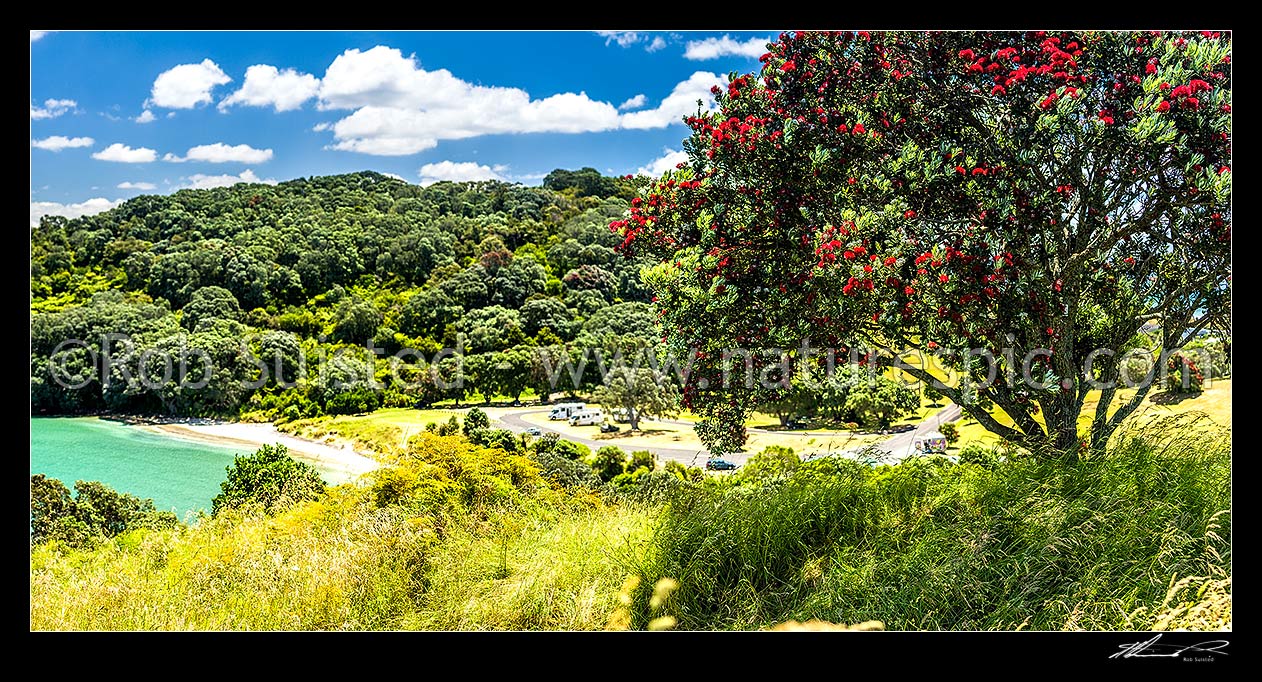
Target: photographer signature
point(1152, 649)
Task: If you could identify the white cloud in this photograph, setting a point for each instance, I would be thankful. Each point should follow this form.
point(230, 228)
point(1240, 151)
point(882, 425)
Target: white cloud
point(265, 85)
point(458, 172)
point(666, 162)
point(681, 102)
point(36, 35)
point(222, 153)
point(401, 108)
point(200, 181)
point(137, 185)
point(633, 103)
point(52, 108)
point(89, 207)
point(57, 143)
point(121, 153)
point(629, 38)
point(713, 48)
point(623, 38)
point(187, 85)
point(145, 116)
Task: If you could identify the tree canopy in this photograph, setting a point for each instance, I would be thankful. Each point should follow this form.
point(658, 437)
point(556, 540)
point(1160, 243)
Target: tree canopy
point(298, 273)
point(926, 190)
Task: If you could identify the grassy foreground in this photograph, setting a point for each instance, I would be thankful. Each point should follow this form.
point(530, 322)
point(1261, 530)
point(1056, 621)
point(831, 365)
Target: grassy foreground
point(455, 536)
point(452, 537)
point(1027, 543)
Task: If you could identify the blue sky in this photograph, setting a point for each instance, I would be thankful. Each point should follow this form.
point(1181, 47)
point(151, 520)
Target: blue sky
point(118, 114)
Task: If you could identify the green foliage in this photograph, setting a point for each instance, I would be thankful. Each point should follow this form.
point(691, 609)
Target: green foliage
point(571, 450)
point(642, 459)
point(905, 187)
point(640, 392)
point(951, 430)
point(270, 479)
point(1183, 375)
point(773, 462)
point(357, 400)
point(334, 262)
point(356, 321)
point(975, 453)
point(931, 394)
point(564, 471)
point(210, 303)
point(475, 420)
point(608, 462)
point(498, 439)
point(450, 427)
point(586, 182)
point(684, 472)
point(878, 403)
point(95, 512)
point(1211, 354)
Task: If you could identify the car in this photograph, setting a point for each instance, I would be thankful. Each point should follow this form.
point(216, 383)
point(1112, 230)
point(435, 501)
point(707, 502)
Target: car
point(533, 431)
point(609, 428)
point(717, 464)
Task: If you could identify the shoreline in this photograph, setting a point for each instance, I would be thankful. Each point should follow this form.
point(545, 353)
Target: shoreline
point(342, 460)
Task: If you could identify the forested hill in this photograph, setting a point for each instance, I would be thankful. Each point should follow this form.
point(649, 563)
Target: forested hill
point(313, 264)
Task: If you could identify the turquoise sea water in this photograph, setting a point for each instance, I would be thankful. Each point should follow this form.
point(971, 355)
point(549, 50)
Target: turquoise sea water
point(181, 476)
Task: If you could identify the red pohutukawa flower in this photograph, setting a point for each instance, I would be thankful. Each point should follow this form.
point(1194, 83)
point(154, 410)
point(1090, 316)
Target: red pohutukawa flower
point(1164, 106)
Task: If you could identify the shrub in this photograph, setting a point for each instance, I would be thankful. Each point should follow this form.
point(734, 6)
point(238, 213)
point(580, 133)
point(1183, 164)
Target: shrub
point(571, 450)
point(975, 453)
point(501, 439)
point(684, 472)
point(1211, 355)
point(1182, 375)
point(773, 461)
point(475, 420)
point(642, 459)
point(951, 430)
point(355, 401)
point(608, 462)
point(269, 478)
point(450, 428)
point(96, 511)
point(564, 471)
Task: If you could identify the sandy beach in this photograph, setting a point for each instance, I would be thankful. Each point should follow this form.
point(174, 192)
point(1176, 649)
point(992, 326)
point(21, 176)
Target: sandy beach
point(343, 461)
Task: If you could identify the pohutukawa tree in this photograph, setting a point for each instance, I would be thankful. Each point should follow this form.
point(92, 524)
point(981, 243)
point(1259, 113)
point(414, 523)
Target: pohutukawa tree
point(911, 190)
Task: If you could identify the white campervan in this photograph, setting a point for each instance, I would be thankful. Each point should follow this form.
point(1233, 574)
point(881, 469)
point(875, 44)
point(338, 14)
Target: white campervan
point(587, 417)
point(564, 410)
